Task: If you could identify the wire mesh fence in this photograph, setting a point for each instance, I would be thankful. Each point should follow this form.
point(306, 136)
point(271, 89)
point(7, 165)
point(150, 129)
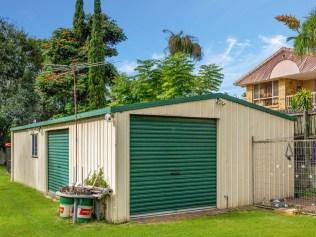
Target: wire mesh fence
point(285, 174)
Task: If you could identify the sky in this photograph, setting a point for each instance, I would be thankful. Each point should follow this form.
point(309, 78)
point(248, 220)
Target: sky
point(236, 35)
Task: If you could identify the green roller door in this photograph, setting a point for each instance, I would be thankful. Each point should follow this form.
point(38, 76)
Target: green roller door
point(172, 164)
point(58, 159)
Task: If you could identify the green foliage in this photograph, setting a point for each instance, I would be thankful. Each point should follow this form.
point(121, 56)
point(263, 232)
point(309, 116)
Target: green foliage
point(96, 54)
point(210, 78)
point(112, 33)
point(55, 89)
point(79, 22)
point(164, 79)
point(302, 100)
point(147, 84)
point(177, 78)
point(305, 40)
point(186, 44)
point(96, 179)
point(122, 90)
point(56, 94)
point(63, 48)
point(20, 59)
point(70, 46)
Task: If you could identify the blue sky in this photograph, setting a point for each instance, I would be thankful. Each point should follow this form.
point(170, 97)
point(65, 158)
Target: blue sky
point(234, 34)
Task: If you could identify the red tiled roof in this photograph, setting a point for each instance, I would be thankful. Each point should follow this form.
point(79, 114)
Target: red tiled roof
point(263, 71)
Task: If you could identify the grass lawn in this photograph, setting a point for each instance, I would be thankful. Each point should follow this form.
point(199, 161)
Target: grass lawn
point(26, 212)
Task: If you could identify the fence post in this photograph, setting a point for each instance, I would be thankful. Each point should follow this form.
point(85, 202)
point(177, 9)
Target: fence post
point(253, 170)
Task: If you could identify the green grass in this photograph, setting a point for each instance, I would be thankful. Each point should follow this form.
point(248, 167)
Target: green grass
point(26, 212)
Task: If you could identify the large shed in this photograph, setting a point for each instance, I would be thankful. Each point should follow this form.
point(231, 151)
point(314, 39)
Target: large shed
point(158, 157)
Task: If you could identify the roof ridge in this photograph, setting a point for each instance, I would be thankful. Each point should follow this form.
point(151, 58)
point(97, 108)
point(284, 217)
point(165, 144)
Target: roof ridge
point(122, 108)
point(263, 63)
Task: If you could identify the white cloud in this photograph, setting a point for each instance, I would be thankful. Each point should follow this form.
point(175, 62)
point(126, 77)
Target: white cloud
point(273, 43)
point(127, 67)
point(240, 56)
point(236, 58)
point(157, 56)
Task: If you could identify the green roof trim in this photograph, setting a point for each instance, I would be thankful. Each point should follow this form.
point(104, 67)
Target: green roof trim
point(89, 114)
point(122, 108)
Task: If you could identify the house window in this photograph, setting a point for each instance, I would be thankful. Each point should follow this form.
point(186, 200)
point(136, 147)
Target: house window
point(256, 92)
point(275, 87)
point(266, 94)
point(34, 145)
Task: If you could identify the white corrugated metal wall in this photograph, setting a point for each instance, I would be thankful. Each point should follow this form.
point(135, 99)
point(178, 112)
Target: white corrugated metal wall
point(96, 149)
point(236, 126)
point(106, 144)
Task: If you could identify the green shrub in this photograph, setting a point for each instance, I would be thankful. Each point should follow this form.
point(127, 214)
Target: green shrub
point(96, 179)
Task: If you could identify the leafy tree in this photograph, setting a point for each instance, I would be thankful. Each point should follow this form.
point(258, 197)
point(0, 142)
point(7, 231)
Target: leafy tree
point(147, 83)
point(176, 77)
point(79, 22)
point(112, 33)
point(302, 100)
point(186, 44)
point(55, 88)
point(20, 60)
point(96, 54)
point(164, 79)
point(122, 90)
point(305, 40)
point(63, 48)
point(71, 46)
point(210, 78)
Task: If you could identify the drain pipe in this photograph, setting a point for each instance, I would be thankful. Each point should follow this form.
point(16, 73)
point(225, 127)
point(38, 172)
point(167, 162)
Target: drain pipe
point(226, 198)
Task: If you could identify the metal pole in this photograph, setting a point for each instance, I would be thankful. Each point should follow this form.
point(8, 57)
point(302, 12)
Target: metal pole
point(76, 124)
point(253, 170)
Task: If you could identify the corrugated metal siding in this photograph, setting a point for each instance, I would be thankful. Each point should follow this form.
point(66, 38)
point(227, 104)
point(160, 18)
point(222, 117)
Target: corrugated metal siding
point(58, 159)
point(108, 147)
point(236, 125)
point(96, 149)
point(173, 163)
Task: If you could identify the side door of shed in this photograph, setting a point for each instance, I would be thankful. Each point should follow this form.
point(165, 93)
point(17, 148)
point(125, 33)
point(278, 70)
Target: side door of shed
point(172, 164)
point(58, 159)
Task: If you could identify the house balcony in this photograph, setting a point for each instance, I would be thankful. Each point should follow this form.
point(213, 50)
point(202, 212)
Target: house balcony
point(289, 98)
point(271, 102)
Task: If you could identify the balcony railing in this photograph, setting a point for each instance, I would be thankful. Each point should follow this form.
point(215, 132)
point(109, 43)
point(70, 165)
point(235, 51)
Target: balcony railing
point(267, 101)
point(289, 98)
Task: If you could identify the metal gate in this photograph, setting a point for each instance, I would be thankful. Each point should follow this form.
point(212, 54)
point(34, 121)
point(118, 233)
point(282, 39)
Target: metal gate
point(284, 173)
point(172, 164)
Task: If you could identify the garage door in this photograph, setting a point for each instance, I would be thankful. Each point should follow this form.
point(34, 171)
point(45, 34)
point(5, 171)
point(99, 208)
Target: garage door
point(58, 159)
point(172, 164)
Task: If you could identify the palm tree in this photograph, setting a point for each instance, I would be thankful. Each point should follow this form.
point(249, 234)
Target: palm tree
point(181, 43)
point(305, 40)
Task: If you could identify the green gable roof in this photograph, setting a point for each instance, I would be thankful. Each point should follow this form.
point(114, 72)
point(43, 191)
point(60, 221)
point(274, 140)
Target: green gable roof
point(122, 108)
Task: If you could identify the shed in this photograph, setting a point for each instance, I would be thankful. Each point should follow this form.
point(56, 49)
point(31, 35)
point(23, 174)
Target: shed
point(159, 157)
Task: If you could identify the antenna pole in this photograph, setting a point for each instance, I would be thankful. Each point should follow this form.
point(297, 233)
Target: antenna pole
point(76, 123)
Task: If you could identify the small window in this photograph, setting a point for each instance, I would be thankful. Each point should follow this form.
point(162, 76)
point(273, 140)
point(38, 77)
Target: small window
point(34, 145)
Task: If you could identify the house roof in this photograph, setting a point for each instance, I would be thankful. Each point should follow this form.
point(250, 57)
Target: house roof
point(122, 108)
point(262, 72)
